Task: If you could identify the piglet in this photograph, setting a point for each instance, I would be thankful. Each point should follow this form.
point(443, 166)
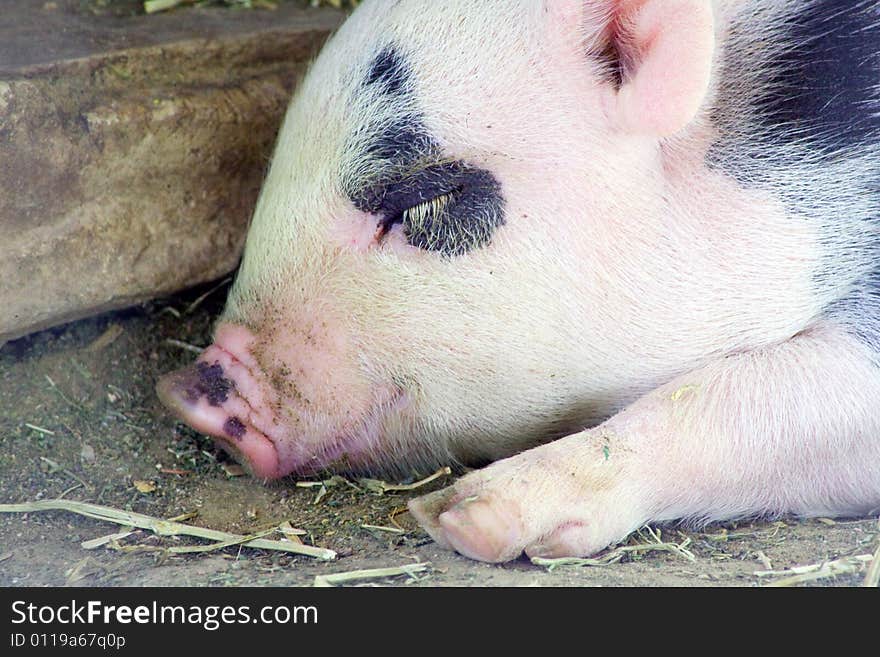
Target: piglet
point(626, 251)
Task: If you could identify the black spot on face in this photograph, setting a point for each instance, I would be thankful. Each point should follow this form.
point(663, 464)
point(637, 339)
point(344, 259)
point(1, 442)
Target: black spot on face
point(212, 384)
point(448, 207)
point(234, 428)
point(389, 70)
point(397, 143)
point(400, 143)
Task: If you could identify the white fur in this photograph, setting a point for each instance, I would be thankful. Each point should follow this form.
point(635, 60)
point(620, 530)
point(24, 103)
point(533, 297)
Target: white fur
point(625, 262)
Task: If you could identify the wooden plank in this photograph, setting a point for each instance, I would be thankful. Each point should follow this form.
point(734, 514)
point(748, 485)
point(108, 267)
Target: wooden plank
point(132, 148)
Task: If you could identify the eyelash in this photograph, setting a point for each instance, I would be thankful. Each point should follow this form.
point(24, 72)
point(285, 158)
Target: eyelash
point(417, 214)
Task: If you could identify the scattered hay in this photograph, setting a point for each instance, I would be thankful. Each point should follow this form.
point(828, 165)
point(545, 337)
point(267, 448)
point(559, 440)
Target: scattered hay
point(180, 344)
point(335, 579)
point(46, 432)
point(170, 528)
point(52, 467)
point(381, 487)
point(291, 533)
point(104, 540)
point(383, 528)
point(233, 540)
point(872, 579)
point(324, 484)
point(107, 338)
point(392, 517)
point(195, 304)
point(372, 485)
point(724, 535)
point(175, 471)
point(652, 544)
point(764, 559)
point(80, 571)
point(824, 570)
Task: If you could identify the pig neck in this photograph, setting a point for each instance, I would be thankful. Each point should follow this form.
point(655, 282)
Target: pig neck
point(720, 270)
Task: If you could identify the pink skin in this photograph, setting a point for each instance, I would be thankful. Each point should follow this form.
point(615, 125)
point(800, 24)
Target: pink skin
point(360, 231)
point(739, 434)
point(227, 394)
point(705, 446)
point(230, 416)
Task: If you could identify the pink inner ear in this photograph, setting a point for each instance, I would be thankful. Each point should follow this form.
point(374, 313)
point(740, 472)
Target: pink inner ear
point(672, 44)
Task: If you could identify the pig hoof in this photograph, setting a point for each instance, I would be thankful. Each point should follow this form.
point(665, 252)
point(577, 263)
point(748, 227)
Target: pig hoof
point(480, 530)
point(546, 502)
point(427, 509)
point(474, 528)
point(497, 530)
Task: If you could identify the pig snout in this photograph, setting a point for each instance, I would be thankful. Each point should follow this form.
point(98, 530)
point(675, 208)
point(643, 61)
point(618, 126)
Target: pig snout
point(296, 403)
point(215, 395)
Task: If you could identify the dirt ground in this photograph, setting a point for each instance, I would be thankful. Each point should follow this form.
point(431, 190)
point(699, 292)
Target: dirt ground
point(79, 419)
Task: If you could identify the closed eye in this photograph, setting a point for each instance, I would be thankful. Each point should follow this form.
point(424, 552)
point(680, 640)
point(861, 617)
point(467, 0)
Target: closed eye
point(448, 207)
point(415, 219)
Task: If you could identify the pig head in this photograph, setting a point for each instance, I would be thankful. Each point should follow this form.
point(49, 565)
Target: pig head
point(431, 271)
point(488, 226)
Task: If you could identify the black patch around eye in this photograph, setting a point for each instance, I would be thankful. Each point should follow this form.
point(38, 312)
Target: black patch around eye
point(402, 141)
point(390, 70)
point(469, 205)
point(391, 150)
point(471, 209)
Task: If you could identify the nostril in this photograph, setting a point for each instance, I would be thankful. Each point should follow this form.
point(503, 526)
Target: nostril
point(211, 383)
point(234, 428)
point(203, 396)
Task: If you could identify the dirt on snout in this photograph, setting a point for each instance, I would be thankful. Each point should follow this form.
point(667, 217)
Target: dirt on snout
point(80, 420)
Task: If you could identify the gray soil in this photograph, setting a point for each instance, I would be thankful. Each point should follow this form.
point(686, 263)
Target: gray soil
point(79, 419)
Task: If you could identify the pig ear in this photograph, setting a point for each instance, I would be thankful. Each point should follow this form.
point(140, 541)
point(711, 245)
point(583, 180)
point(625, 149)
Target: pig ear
point(666, 49)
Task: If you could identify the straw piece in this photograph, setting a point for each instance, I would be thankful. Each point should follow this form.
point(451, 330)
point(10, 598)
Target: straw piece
point(164, 527)
point(372, 573)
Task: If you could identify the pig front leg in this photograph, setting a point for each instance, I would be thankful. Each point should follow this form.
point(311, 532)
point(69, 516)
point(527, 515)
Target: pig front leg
point(792, 428)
